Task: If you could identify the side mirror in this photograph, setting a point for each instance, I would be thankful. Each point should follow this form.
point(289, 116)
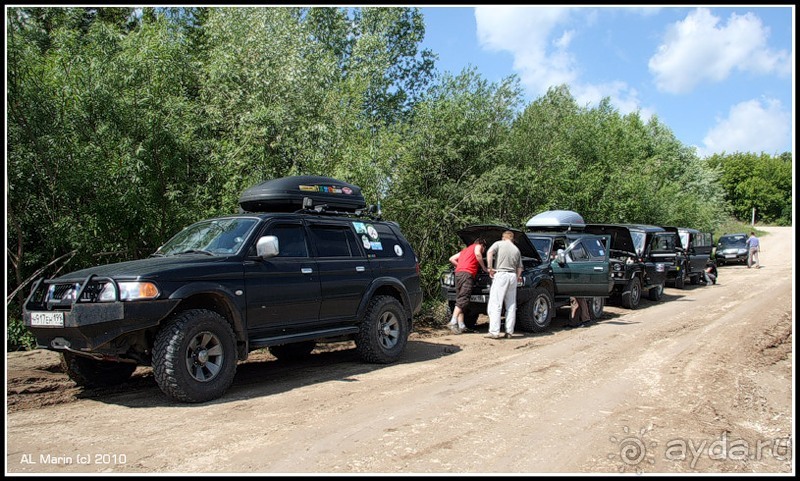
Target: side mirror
point(561, 258)
point(267, 247)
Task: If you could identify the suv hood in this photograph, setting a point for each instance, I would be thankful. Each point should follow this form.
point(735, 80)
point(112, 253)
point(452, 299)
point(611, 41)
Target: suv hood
point(148, 268)
point(621, 239)
point(493, 233)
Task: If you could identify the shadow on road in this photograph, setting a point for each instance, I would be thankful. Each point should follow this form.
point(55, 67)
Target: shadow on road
point(262, 375)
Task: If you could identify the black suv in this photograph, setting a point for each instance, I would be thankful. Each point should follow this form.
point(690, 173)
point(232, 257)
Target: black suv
point(545, 285)
point(643, 254)
point(316, 266)
point(694, 254)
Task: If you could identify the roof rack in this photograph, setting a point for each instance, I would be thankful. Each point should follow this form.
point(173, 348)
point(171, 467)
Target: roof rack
point(371, 211)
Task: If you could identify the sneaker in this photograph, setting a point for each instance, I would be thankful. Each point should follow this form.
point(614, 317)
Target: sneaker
point(454, 328)
point(496, 336)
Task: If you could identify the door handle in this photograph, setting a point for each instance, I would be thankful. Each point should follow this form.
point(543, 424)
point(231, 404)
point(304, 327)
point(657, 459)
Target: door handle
point(360, 269)
point(598, 269)
point(306, 270)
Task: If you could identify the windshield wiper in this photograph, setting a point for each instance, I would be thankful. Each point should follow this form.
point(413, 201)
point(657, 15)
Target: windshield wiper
point(197, 251)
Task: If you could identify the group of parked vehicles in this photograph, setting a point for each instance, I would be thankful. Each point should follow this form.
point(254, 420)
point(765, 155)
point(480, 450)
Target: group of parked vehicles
point(307, 261)
point(566, 257)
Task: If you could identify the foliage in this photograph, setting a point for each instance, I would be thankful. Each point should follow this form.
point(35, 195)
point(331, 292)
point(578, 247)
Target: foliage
point(124, 125)
point(757, 181)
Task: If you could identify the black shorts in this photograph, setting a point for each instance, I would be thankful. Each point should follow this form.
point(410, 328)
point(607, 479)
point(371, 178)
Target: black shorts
point(464, 281)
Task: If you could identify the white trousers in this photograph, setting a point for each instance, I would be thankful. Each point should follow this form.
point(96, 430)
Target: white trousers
point(503, 291)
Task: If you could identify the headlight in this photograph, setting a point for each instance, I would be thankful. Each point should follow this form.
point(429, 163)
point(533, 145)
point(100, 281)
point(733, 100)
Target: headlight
point(742, 251)
point(129, 291)
point(448, 279)
point(617, 267)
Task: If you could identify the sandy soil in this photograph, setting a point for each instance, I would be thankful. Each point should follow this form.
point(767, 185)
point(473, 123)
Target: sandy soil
point(699, 382)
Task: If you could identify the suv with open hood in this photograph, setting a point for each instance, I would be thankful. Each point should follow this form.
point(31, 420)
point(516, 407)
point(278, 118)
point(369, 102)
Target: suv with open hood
point(581, 269)
point(641, 254)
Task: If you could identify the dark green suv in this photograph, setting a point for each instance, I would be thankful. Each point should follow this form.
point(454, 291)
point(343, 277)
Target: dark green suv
point(581, 269)
point(304, 262)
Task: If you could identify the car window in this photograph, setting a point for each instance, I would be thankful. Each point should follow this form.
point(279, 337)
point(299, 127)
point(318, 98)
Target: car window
point(215, 236)
point(333, 241)
point(732, 240)
point(578, 253)
point(291, 240)
point(595, 248)
point(664, 243)
point(638, 241)
point(703, 239)
point(378, 240)
point(542, 245)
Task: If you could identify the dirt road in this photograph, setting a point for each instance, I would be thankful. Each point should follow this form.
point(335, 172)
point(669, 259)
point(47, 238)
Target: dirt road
point(698, 382)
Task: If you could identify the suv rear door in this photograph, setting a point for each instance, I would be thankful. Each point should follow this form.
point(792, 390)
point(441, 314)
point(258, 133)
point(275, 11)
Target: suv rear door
point(700, 247)
point(584, 271)
point(344, 270)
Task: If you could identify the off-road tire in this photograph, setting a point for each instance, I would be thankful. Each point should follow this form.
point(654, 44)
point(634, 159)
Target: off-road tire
point(88, 372)
point(632, 293)
point(535, 314)
point(383, 333)
point(294, 351)
point(194, 356)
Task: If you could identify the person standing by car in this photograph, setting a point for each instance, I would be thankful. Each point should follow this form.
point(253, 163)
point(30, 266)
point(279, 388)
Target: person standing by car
point(467, 262)
point(505, 274)
point(753, 248)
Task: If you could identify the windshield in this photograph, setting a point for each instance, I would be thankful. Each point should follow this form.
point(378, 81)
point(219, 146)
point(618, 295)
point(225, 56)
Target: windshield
point(542, 245)
point(685, 239)
point(214, 237)
point(663, 243)
point(638, 241)
point(734, 240)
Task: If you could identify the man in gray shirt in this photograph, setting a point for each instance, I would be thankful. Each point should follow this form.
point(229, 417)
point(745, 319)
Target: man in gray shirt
point(505, 268)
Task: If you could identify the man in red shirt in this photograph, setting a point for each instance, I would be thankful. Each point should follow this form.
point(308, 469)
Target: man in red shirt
point(467, 263)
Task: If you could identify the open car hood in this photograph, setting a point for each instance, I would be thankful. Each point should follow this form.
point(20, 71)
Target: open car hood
point(493, 233)
point(621, 239)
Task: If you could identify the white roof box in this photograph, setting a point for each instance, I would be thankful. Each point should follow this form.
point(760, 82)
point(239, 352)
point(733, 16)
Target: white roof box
point(556, 220)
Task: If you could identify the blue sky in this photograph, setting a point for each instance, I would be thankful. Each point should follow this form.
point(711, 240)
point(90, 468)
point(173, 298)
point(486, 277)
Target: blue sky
point(721, 78)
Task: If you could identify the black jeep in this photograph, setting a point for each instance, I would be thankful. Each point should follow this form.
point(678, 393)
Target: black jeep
point(642, 255)
point(694, 254)
point(580, 270)
point(305, 261)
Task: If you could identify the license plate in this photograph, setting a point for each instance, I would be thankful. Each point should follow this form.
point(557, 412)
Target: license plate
point(47, 319)
point(477, 298)
point(730, 256)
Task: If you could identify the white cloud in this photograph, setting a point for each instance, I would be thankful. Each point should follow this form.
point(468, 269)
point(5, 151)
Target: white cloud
point(699, 49)
point(539, 39)
point(751, 126)
point(526, 33)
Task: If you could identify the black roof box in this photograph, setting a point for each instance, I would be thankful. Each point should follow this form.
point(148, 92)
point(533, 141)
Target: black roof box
point(286, 194)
